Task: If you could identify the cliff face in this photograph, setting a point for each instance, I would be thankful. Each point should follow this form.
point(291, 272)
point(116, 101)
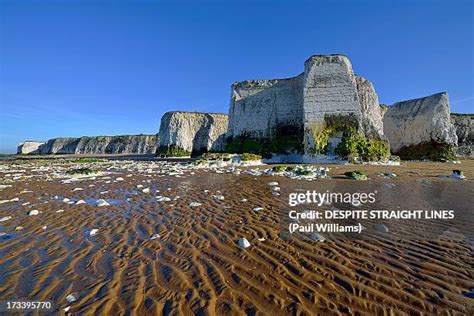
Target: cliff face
point(284, 114)
point(263, 109)
point(123, 144)
point(29, 147)
point(420, 121)
point(464, 125)
point(59, 146)
point(192, 133)
point(127, 144)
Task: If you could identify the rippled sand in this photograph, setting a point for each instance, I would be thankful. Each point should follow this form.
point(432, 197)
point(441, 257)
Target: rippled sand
point(195, 265)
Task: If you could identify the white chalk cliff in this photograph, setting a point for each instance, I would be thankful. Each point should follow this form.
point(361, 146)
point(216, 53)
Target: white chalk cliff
point(192, 132)
point(420, 121)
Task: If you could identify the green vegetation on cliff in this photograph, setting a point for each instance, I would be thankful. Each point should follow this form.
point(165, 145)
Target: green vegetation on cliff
point(172, 151)
point(432, 151)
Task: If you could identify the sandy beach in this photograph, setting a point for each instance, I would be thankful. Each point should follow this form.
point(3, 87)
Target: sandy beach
point(167, 243)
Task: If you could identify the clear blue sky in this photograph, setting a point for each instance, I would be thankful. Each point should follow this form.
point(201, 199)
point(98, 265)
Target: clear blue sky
point(73, 68)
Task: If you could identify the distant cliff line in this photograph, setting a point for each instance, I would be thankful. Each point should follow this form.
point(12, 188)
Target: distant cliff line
point(119, 144)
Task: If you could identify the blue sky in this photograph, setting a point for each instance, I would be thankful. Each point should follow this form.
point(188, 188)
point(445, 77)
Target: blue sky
point(73, 68)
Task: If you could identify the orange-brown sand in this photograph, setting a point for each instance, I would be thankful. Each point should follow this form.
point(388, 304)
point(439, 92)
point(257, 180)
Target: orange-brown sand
point(195, 265)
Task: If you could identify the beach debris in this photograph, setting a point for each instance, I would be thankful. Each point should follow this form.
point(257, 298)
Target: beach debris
point(5, 218)
point(356, 175)
point(154, 236)
point(119, 179)
point(66, 309)
point(33, 212)
point(45, 227)
point(243, 200)
point(139, 186)
point(102, 202)
point(4, 236)
point(59, 211)
point(273, 183)
point(80, 202)
point(77, 189)
point(195, 204)
point(18, 228)
point(381, 228)
point(66, 200)
point(275, 193)
point(261, 239)
point(146, 190)
point(26, 203)
point(93, 232)
point(243, 243)
point(257, 209)
point(160, 198)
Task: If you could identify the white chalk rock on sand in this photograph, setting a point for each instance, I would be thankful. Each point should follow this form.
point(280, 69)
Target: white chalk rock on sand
point(154, 236)
point(102, 202)
point(194, 204)
point(80, 202)
point(272, 183)
point(6, 218)
point(146, 190)
point(160, 198)
point(66, 200)
point(244, 243)
point(257, 209)
point(33, 212)
point(93, 232)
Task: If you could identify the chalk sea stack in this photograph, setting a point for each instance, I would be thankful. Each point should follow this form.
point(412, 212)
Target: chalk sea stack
point(191, 133)
point(29, 147)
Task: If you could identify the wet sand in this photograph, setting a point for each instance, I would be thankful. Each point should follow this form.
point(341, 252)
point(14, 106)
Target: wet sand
point(195, 265)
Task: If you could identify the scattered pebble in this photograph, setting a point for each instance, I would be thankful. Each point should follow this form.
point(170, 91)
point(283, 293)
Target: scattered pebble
point(195, 204)
point(102, 202)
point(160, 198)
point(243, 243)
point(33, 212)
point(257, 209)
point(93, 232)
point(218, 197)
point(154, 236)
point(71, 298)
point(272, 183)
point(80, 202)
point(146, 190)
point(18, 228)
point(59, 211)
point(5, 218)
